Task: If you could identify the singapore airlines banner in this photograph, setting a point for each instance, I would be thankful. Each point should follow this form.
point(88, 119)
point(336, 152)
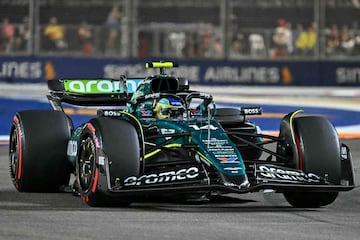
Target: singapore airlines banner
point(292, 73)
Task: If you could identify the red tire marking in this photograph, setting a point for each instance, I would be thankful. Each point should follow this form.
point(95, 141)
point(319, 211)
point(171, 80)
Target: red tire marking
point(96, 178)
point(90, 127)
point(20, 160)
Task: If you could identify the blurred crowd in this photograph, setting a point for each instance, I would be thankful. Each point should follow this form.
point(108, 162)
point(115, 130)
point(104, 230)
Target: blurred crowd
point(57, 37)
point(285, 39)
point(342, 41)
point(14, 37)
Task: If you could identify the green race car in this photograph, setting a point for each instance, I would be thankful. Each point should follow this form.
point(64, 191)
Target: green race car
point(165, 139)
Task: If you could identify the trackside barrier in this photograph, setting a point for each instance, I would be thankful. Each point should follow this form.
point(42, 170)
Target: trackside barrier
point(24, 69)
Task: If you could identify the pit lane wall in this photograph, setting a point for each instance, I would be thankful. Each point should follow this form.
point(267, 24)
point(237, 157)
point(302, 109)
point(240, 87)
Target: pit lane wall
point(27, 69)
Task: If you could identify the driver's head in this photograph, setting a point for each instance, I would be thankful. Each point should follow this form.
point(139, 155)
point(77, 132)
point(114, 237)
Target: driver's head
point(169, 108)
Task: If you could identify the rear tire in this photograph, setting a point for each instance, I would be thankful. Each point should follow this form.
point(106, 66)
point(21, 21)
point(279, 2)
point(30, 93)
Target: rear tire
point(37, 150)
point(118, 139)
point(319, 152)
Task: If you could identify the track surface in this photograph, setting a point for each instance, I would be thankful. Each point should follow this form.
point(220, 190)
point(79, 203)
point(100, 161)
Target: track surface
point(249, 216)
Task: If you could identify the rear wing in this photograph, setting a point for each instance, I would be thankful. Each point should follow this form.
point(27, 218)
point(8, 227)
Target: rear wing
point(106, 91)
point(92, 92)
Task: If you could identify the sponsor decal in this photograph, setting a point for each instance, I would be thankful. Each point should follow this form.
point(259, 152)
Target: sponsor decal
point(50, 72)
point(228, 159)
point(163, 177)
point(150, 96)
point(167, 131)
point(111, 113)
point(174, 102)
point(233, 169)
point(132, 84)
point(286, 75)
point(101, 160)
point(72, 148)
point(243, 74)
point(344, 153)
point(205, 127)
point(96, 86)
point(146, 113)
point(222, 150)
point(25, 69)
point(348, 75)
point(276, 174)
point(251, 110)
point(205, 95)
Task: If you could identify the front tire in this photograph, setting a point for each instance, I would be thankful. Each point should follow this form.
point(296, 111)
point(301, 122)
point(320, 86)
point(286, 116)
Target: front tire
point(310, 199)
point(319, 152)
point(118, 140)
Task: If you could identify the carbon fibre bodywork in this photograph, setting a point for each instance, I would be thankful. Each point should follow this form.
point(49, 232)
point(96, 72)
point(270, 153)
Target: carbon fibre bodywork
point(126, 151)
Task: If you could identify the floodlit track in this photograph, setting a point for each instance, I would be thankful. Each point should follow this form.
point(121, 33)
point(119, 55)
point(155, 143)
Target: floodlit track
point(248, 216)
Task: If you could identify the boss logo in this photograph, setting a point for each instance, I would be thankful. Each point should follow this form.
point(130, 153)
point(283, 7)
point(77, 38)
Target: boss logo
point(251, 111)
point(108, 113)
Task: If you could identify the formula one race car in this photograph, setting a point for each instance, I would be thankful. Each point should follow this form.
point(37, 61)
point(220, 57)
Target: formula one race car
point(164, 139)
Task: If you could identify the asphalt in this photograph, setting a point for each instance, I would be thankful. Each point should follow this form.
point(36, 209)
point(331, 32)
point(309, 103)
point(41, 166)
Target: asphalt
point(34, 216)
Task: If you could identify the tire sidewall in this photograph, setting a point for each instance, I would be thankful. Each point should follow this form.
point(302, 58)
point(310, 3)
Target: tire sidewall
point(108, 136)
point(42, 137)
point(90, 194)
point(319, 153)
point(320, 148)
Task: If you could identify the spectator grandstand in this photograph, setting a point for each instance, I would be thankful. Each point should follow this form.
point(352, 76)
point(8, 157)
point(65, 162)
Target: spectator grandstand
point(210, 29)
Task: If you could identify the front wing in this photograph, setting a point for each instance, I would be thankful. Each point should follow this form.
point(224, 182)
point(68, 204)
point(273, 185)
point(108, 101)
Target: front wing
point(195, 178)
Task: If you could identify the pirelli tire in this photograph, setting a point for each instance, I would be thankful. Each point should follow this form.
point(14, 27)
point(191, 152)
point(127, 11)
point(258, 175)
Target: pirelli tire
point(319, 152)
point(37, 150)
point(117, 141)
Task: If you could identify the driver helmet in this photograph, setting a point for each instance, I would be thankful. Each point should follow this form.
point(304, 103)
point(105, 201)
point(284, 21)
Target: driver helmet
point(169, 108)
